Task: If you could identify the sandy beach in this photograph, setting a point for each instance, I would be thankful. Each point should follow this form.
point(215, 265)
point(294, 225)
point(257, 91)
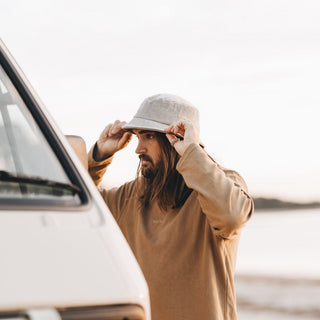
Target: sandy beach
point(268, 297)
point(278, 268)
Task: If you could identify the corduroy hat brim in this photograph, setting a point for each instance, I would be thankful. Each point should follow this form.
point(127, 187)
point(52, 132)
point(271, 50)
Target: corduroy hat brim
point(144, 124)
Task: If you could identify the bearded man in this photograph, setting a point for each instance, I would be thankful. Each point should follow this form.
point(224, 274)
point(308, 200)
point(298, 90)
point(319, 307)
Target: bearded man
point(182, 214)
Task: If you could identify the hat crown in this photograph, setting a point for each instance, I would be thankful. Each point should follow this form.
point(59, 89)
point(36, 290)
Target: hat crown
point(158, 112)
point(166, 109)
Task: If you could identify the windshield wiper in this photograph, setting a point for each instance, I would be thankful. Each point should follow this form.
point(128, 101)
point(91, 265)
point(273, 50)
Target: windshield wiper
point(9, 177)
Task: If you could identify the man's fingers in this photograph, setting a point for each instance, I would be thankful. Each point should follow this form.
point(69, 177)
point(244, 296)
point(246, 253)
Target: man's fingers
point(112, 139)
point(105, 131)
point(116, 128)
point(173, 139)
point(125, 139)
point(177, 128)
point(181, 134)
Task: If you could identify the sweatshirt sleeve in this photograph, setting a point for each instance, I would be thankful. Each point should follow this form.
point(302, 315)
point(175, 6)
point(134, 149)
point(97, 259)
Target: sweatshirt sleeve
point(115, 198)
point(222, 193)
point(97, 169)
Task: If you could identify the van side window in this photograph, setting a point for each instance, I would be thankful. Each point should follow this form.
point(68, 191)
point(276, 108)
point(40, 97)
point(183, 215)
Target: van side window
point(29, 168)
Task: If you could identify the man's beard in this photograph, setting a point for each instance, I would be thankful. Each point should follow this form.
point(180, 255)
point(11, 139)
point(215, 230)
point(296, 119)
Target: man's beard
point(148, 172)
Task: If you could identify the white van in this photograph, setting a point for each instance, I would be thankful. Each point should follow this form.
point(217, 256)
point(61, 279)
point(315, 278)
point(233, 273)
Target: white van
point(62, 255)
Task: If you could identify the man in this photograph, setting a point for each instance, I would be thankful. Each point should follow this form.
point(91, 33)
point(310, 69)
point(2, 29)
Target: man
point(183, 213)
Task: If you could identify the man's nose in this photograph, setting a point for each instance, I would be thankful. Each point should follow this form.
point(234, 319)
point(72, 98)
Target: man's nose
point(141, 149)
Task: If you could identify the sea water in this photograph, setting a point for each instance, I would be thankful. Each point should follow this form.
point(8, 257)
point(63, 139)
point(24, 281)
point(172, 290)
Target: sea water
point(278, 267)
point(281, 243)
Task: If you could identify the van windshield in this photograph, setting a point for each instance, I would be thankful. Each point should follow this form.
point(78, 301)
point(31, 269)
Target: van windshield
point(29, 169)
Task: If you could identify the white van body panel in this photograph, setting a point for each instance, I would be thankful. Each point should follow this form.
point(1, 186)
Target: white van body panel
point(66, 258)
point(62, 259)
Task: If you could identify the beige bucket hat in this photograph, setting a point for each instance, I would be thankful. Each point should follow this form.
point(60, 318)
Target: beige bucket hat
point(159, 111)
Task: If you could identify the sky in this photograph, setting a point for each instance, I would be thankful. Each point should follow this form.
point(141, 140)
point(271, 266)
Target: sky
point(252, 68)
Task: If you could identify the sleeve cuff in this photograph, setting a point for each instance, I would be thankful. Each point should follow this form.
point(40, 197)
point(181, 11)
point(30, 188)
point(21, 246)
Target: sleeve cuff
point(192, 153)
point(93, 163)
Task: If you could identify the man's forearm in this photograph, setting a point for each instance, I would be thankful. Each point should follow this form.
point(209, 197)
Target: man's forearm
point(96, 168)
point(222, 193)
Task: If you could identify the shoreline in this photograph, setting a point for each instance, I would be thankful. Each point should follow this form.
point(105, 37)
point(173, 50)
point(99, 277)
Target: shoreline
point(282, 296)
point(277, 279)
point(273, 204)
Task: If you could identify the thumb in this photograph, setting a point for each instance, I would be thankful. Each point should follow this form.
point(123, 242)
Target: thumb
point(172, 139)
point(125, 139)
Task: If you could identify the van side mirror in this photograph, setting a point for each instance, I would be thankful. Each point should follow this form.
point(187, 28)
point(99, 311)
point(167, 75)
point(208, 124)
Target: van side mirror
point(79, 146)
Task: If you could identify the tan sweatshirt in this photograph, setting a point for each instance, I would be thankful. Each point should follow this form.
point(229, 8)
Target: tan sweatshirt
point(187, 254)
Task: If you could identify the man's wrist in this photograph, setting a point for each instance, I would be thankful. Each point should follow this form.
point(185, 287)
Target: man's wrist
point(97, 156)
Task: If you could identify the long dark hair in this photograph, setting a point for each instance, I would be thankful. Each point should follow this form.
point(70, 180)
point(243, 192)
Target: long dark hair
point(167, 186)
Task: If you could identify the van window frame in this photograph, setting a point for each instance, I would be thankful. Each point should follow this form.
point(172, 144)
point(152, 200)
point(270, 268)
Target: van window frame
point(54, 142)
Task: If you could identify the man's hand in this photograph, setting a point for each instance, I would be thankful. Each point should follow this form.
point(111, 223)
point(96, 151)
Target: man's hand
point(111, 140)
point(181, 134)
